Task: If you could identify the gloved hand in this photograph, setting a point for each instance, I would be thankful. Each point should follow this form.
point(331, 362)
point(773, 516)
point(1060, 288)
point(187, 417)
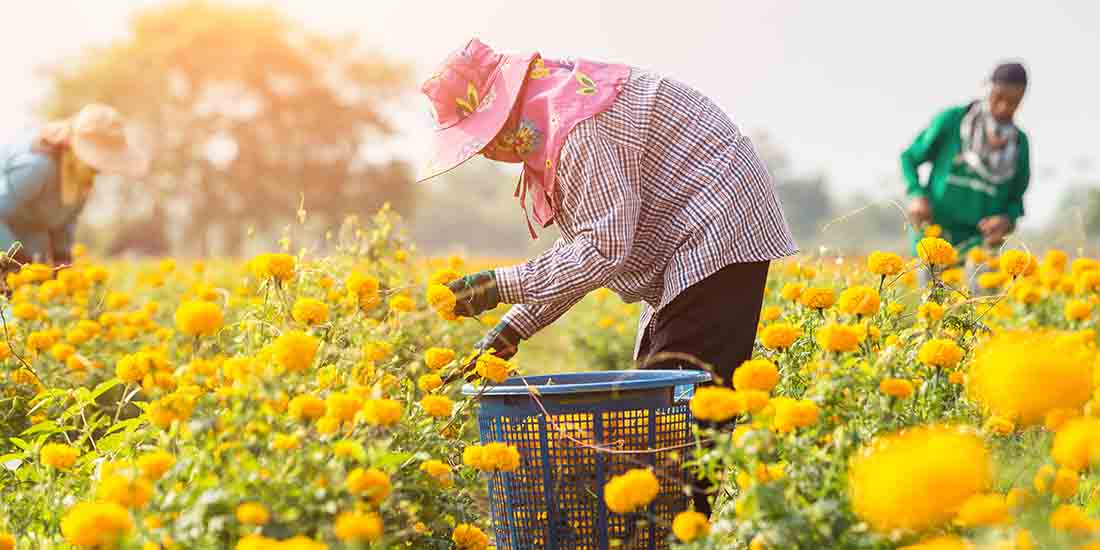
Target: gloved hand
point(13, 261)
point(476, 293)
point(504, 339)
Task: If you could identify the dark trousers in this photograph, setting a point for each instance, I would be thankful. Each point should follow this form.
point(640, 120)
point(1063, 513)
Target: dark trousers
point(713, 321)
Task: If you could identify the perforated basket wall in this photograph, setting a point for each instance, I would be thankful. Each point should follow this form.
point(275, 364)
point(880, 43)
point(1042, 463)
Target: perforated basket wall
point(554, 501)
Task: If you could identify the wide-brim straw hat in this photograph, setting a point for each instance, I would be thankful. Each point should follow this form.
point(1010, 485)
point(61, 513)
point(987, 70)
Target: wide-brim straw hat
point(99, 138)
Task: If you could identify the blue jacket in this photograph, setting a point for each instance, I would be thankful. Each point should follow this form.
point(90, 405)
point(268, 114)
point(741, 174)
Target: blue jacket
point(31, 210)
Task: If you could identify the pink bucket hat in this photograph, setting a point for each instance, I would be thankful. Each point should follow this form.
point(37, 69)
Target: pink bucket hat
point(472, 95)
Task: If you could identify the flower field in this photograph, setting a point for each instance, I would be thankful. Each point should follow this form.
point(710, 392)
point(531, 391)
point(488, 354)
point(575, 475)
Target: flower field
point(307, 402)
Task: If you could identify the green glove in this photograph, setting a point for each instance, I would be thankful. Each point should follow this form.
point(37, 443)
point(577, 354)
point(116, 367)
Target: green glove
point(476, 293)
point(503, 339)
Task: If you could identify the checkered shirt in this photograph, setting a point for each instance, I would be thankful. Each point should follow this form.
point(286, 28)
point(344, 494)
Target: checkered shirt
point(653, 195)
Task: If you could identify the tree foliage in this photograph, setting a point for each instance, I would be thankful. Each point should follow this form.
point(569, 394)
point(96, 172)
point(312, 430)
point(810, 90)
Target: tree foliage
point(246, 112)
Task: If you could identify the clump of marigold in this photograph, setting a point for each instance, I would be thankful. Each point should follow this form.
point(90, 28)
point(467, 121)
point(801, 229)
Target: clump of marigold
point(96, 524)
point(443, 301)
point(252, 513)
point(1077, 444)
point(756, 374)
point(1016, 262)
point(371, 483)
point(381, 412)
point(791, 414)
point(899, 388)
point(918, 478)
point(779, 336)
point(278, 267)
point(885, 263)
point(295, 350)
point(983, 510)
point(493, 368)
point(58, 456)
point(817, 298)
point(690, 525)
point(439, 471)
point(840, 338)
point(859, 300)
point(930, 311)
point(199, 318)
point(364, 288)
point(491, 457)
point(935, 251)
point(792, 291)
point(1005, 369)
point(469, 537)
point(306, 407)
point(309, 311)
point(155, 464)
point(437, 406)
point(940, 352)
point(437, 358)
point(1078, 310)
point(631, 491)
point(358, 527)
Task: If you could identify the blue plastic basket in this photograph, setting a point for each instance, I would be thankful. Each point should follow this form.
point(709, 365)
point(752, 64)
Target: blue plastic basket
point(554, 501)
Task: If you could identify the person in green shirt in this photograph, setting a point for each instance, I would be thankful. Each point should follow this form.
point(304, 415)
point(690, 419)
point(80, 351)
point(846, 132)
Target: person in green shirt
point(980, 167)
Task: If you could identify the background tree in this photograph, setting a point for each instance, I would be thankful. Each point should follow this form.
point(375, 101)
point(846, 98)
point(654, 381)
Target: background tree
point(246, 111)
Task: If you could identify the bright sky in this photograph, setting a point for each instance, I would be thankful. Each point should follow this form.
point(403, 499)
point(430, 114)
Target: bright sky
point(843, 86)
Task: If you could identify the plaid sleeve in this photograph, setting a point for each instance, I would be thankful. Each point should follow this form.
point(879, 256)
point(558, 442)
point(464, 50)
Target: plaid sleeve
point(528, 319)
point(598, 182)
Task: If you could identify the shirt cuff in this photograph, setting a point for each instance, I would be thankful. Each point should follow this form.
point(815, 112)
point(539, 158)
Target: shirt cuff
point(510, 284)
point(522, 320)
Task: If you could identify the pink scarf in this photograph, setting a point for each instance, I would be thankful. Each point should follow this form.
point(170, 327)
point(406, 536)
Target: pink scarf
point(557, 95)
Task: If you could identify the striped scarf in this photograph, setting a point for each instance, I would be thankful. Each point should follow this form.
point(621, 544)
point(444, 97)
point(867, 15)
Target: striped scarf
point(989, 147)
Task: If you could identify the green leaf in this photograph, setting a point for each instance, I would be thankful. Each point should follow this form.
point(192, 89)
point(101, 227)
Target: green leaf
point(45, 426)
point(104, 387)
point(19, 443)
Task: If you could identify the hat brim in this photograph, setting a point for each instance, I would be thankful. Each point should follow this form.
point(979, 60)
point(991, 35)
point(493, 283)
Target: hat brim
point(126, 161)
point(460, 142)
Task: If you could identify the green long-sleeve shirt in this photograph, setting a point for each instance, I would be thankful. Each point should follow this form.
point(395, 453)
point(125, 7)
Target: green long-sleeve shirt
point(960, 197)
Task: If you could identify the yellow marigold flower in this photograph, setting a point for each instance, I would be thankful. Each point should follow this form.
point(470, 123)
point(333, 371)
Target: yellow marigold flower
point(896, 387)
point(1005, 368)
point(253, 513)
point(992, 279)
point(1057, 418)
point(714, 403)
point(343, 406)
point(381, 412)
point(1026, 293)
point(371, 483)
point(40, 340)
point(199, 318)
point(117, 300)
point(1018, 498)
point(631, 491)
point(946, 542)
point(493, 368)
point(756, 374)
point(295, 350)
point(443, 276)
point(892, 340)
point(1078, 310)
point(437, 358)
point(779, 335)
point(976, 255)
point(817, 298)
point(358, 526)
point(309, 311)
point(940, 352)
point(1016, 262)
point(328, 425)
point(770, 313)
point(930, 311)
point(283, 442)
point(469, 537)
point(361, 284)
point(859, 300)
point(1087, 282)
point(917, 478)
point(429, 383)
point(690, 525)
point(895, 308)
point(1000, 425)
point(125, 491)
point(791, 414)
point(58, 455)
point(1077, 444)
point(1056, 259)
point(885, 263)
point(27, 311)
point(437, 406)
point(347, 448)
point(7, 541)
point(491, 457)
point(440, 471)
point(443, 301)
point(306, 407)
point(839, 338)
point(155, 464)
point(377, 351)
point(792, 291)
point(1071, 519)
point(953, 276)
point(1044, 477)
point(402, 304)
point(1065, 483)
point(279, 267)
point(932, 231)
point(96, 524)
point(62, 352)
point(937, 252)
point(983, 511)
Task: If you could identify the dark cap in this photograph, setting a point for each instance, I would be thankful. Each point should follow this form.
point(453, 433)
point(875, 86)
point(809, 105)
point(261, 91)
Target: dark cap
point(1010, 73)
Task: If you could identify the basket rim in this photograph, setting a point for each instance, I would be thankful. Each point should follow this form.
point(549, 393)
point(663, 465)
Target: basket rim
point(590, 382)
